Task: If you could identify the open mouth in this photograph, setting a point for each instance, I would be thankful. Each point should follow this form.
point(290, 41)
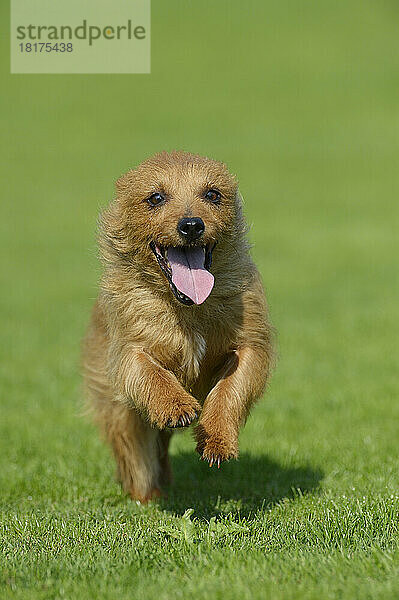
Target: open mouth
point(187, 270)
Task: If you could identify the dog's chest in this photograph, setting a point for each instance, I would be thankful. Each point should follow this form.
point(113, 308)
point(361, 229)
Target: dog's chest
point(194, 351)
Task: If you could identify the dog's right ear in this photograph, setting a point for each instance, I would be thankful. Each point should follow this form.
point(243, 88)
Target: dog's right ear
point(124, 185)
point(113, 224)
point(113, 229)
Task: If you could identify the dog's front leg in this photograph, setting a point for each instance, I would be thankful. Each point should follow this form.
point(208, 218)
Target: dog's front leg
point(228, 403)
point(154, 391)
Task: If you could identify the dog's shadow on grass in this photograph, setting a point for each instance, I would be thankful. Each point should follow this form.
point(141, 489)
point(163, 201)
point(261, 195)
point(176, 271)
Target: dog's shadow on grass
point(241, 486)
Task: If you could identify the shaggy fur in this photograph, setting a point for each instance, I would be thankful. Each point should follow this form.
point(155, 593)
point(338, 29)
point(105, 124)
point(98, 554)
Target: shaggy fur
point(152, 363)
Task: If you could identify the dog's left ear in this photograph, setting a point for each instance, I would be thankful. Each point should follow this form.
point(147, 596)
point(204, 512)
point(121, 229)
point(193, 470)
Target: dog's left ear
point(241, 225)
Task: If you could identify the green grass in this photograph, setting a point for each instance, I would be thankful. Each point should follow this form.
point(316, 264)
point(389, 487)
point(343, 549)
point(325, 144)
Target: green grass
point(301, 100)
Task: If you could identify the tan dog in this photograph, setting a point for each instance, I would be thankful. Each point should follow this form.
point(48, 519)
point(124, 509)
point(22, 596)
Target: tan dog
point(180, 328)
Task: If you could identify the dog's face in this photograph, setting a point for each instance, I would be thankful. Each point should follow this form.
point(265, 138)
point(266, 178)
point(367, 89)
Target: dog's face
point(172, 212)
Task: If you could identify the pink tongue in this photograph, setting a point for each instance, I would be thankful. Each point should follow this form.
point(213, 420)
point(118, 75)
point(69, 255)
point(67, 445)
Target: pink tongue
point(189, 274)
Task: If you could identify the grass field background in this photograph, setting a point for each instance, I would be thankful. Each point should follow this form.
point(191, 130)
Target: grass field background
point(301, 99)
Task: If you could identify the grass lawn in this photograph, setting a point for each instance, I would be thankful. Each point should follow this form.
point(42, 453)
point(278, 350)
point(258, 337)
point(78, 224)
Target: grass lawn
point(301, 100)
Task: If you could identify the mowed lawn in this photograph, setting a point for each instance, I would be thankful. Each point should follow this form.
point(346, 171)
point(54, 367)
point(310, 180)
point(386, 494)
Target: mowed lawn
point(302, 101)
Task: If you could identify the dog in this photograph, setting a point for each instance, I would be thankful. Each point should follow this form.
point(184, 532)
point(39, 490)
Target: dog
point(180, 330)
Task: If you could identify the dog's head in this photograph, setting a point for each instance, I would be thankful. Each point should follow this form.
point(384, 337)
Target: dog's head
point(172, 213)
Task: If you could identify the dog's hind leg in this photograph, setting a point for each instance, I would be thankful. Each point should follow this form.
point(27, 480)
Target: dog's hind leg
point(166, 471)
point(136, 448)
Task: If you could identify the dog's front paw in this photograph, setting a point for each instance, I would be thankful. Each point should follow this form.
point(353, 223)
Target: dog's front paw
point(179, 412)
point(216, 451)
point(183, 418)
point(215, 448)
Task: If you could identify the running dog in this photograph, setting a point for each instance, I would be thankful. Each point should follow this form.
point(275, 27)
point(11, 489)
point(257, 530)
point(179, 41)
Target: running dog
point(179, 333)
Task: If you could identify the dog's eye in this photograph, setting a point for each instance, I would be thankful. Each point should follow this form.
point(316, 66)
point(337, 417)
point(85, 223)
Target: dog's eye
point(212, 196)
point(155, 199)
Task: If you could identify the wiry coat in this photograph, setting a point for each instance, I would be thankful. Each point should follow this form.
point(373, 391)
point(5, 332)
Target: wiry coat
point(152, 363)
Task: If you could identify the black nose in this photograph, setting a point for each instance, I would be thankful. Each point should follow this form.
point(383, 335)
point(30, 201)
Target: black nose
point(191, 228)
